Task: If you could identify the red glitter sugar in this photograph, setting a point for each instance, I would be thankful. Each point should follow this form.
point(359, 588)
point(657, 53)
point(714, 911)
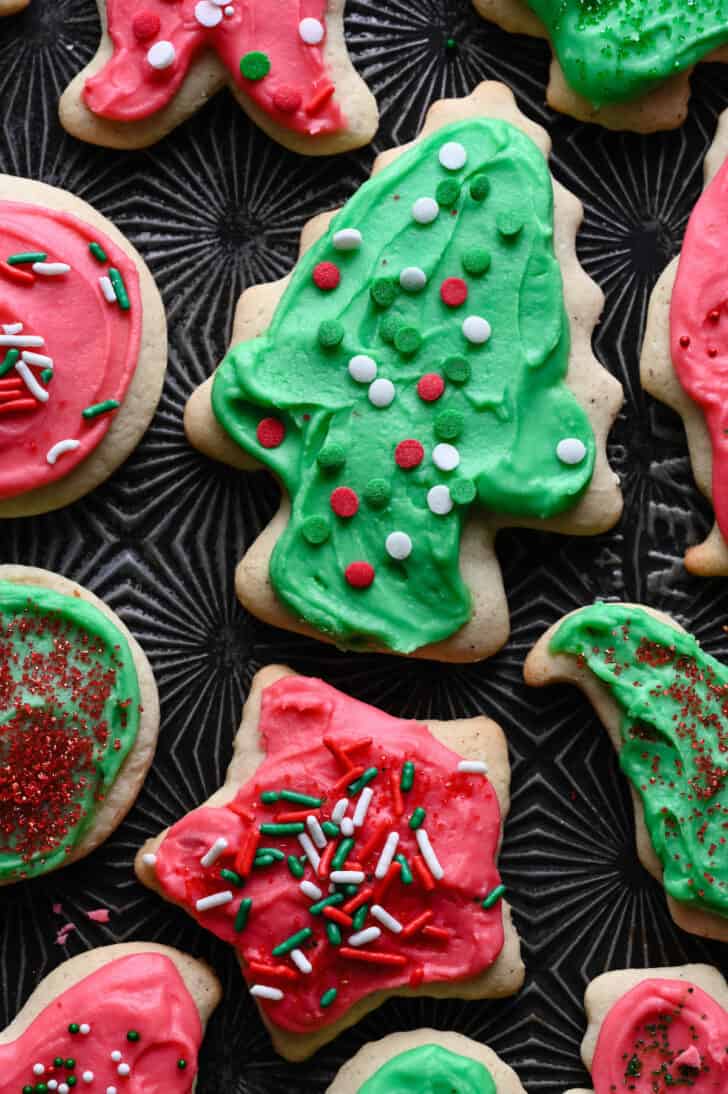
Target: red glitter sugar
point(344, 502)
point(430, 387)
point(359, 575)
point(454, 292)
point(270, 432)
point(409, 454)
point(326, 276)
point(287, 99)
point(145, 25)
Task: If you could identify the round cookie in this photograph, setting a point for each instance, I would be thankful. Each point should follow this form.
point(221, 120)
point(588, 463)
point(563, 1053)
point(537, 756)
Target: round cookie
point(9, 7)
point(83, 348)
point(80, 718)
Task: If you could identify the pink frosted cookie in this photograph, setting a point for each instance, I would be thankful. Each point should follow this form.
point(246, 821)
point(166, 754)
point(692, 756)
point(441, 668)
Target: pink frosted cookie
point(161, 60)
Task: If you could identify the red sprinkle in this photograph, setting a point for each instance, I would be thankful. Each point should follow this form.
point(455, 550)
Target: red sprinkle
point(270, 432)
point(374, 840)
point(438, 933)
point(381, 889)
point(361, 897)
point(278, 972)
point(319, 100)
point(326, 276)
point(294, 818)
point(344, 502)
point(349, 777)
point(409, 454)
point(417, 923)
point(246, 854)
point(325, 863)
point(397, 802)
point(338, 916)
point(359, 575)
point(287, 99)
point(338, 753)
point(423, 873)
point(454, 292)
point(145, 25)
point(684, 341)
point(430, 387)
point(373, 957)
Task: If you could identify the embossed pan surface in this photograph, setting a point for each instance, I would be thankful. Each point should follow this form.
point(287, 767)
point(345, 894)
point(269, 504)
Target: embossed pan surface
point(217, 207)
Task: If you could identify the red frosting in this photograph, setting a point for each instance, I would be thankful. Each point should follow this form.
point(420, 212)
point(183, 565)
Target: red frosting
point(661, 1035)
point(297, 91)
point(141, 994)
point(320, 742)
point(699, 326)
point(93, 344)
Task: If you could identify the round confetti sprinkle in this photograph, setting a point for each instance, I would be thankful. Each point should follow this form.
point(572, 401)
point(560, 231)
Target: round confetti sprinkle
point(330, 333)
point(383, 292)
point(311, 31)
point(255, 65)
point(509, 224)
point(316, 530)
point(359, 575)
point(457, 370)
point(445, 456)
point(84, 1029)
point(571, 450)
point(347, 239)
point(377, 493)
point(439, 500)
point(270, 432)
point(116, 1056)
point(207, 14)
point(425, 210)
point(344, 502)
point(412, 279)
point(409, 454)
point(476, 261)
point(449, 425)
point(447, 193)
point(453, 292)
point(362, 368)
point(407, 341)
point(88, 1076)
point(453, 155)
point(388, 328)
point(381, 393)
point(462, 491)
point(398, 545)
point(332, 457)
point(161, 55)
point(326, 276)
point(480, 188)
point(430, 387)
point(145, 25)
point(476, 329)
point(287, 99)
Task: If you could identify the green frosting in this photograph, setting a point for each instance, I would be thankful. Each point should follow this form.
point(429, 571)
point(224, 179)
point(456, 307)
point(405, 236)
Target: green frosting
point(505, 405)
point(674, 704)
point(69, 715)
point(613, 51)
point(430, 1069)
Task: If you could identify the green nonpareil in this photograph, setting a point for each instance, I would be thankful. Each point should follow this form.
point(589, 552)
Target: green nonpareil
point(430, 1069)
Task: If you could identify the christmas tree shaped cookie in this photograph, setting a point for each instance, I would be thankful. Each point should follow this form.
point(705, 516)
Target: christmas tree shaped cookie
point(350, 856)
point(625, 64)
point(665, 704)
point(423, 378)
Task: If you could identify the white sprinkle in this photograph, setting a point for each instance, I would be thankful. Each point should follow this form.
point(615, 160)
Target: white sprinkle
point(12, 328)
point(149, 859)
point(347, 239)
point(381, 393)
point(214, 852)
point(207, 14)
point(116, 1056)
point(53, 1084)
point(347, 877)
point(476, 329)
point(262, 991)
point(347, 826)
point(111, 1090)
point(362, 807)
point(107, 289)
point(363, 369)
point(445, 456)
point(19, 341)
point(311, 31)
point(84, 1028)
point(38, 1069)
point(301, 962)
point(88, 1076)
point(399, 545)
point(425, 210)
point(439, 500)
point(473, 767)
point(310, 890)
point(385, 859)
point(214, 900)
point(571, 450)
point(313, 856)
point(229, 10)
point(369, 934)
point(317, 833)
point(31, 383)
point(161, 55)
point(412, 279)
point(453, 156)
point(51, 269)
point(60, 449)
point(63, 1088)
point(123, 1069)
point(385, 918)
point(433, 863)
point(38, 359)
point(339, 810)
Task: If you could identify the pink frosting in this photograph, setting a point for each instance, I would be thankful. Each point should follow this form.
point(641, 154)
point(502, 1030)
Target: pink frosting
point(462, 821)
point(297, 93)
point(94, 345)
point(699, 326)
point(142, 993)
point(691, 1046)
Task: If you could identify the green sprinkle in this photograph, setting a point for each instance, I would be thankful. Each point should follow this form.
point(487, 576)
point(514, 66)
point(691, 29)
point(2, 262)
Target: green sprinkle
point(328, 997)
point(74, 1027)
point(405, 873)
point(181, 1063)
point(243, 913)
point(232, 877)
point(407, 341)
point(27, 1090)
point(417, 818)
point(71, 1080)
point(294, 828)
point(480, 188)
point(266, 856)
point(95, 409)
point(10, 358)
point(98, 252)
point(268, 797)
point(27, 256)
point(295, 866)
point(462, 491)
point(342, 854)
point(133, 1035)
point(301, 799)
point(330, 829)
point(359, 917)
point(358, 785)
point(350, 889)
point(457, 370)
point(335, 898)
point(447, 193)
point(383, 292)
point(40, 1088)
point(292, 942)
point(476, 261)
point(117, 281)
point(332, 457)
point(388, 328)
point(408, 775)
point(509, 224)
point(70, 1063)
point(377, 493)
point(255, 65)
point(46, 375)
point(330, 333)
point(493, 896)
point(333, 933)
point(58, 1061)
point(449, 425)
point(316, 530)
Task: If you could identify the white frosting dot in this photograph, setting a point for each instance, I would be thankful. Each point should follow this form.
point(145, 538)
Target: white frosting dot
point(445, 456)
point(363, 369)
point(88, 1076)
point(84, 1028)
point(123, 1069)
point(116, 1055)
point(476, 329)
point(453, 156)
point(38, 1069)
point(381, 393)
point(161, 55)
point(399, 545)
point(311, 31)
point(571, 450)
point(425, 210)
point(347, 239)
point(439, 500)
point(207, 13)
point(412, 279)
